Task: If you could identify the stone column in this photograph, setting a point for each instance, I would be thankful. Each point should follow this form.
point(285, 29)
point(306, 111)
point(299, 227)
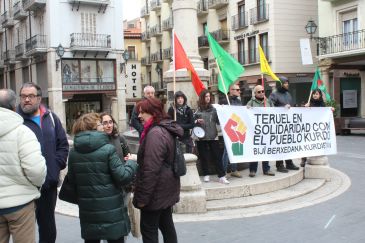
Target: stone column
point(317, 167)
point(192, 195)
point(186, 28)
point(324, 66)
point(54, 86)
point(121, 97)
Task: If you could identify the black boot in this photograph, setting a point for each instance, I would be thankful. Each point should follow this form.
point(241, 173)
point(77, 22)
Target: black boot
point(280, 167)
point(290, 165)
point(304, 160)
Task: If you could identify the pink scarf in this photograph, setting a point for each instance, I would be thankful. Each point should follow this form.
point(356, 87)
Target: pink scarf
point(147, 125)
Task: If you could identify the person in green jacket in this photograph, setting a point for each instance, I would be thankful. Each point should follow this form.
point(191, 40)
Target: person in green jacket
point(98, 175)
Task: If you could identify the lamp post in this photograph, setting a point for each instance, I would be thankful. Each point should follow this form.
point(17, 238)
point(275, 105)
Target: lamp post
point(311, 28)
point(60, 51)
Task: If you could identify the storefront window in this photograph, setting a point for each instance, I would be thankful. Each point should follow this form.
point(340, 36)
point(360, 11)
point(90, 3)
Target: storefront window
point(70, 71)
point(88, 71)
point(106, 71)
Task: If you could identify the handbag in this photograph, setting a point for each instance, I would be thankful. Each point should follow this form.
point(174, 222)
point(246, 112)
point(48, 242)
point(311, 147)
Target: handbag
point(68, 191)
point(134, 218)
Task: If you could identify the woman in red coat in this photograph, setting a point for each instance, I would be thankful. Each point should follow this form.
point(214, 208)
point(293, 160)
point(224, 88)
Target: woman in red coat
point(157, 189)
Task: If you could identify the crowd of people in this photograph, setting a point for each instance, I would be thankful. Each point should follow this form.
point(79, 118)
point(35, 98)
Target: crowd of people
point(34, 149)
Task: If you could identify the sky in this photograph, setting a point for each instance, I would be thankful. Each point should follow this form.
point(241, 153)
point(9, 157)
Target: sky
point(131, 9)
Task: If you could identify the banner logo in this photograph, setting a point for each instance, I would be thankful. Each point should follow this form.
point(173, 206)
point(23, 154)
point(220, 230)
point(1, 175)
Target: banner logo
point(236, 131)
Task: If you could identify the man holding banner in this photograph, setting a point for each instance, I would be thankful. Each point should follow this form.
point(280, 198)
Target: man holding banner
point(259, 100)
point(281, 98)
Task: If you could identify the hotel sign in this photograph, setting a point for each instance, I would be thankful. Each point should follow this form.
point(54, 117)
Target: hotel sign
point(88, 87)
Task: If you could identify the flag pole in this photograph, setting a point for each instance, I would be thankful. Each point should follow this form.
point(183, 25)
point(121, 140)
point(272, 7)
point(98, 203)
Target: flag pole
point(263, 86)
point(224, 85)
point(309, 98)
point(174, 76)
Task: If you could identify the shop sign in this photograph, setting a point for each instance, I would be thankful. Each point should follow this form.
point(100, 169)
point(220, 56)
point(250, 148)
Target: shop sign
point(248, 34)
point(87, 87)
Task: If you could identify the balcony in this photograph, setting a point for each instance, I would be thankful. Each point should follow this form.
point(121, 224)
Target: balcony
point(90, 42)
point(159, 86)
point(217, 4)
point(33, 5)
point(9, 56)
point(20, 52)
point(167, 53)
point(157, 56)
point(156, 31)
point(221, 36)
point(203, 42)
point(36, 45)
point(240, 21)
point(167, 24)
point(155, 5)
point(203, 8)
point(18, 12)
point(343, 44)
point(90, 2)
point(7, 20)
point(145, 12)
point(145, 36)
point(146, 61)
point(259, 14)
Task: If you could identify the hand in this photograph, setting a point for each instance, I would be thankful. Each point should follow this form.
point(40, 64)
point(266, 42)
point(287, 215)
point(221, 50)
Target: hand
point(332, 109)
point(248, 106)
point(287, 106)
point(200, 121)
point(306, 105)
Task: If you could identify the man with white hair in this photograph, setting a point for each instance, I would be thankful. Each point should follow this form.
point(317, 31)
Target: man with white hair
point(149, 92)
point(259, 100)
point(22, 172)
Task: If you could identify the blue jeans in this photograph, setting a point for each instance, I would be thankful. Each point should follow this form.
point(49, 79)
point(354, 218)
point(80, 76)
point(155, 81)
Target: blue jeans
point(265, 166)
point(225, 162)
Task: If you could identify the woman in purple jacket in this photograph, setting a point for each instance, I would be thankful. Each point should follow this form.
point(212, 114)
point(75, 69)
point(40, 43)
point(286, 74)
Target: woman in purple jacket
point(157, 189)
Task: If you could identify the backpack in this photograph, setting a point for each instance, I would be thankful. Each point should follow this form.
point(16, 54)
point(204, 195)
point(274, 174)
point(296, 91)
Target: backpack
point(179, 164)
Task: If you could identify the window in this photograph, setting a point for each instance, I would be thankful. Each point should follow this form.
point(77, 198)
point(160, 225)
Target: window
point(349, 28)
point(252, 49)
point(241, 51)
point(261, 10)
point(132, 52)
point(241, 14)
point(88, 23)
point(264, 44)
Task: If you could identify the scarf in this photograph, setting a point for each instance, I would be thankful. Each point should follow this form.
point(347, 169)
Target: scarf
point(146, 127)
point(181, 110)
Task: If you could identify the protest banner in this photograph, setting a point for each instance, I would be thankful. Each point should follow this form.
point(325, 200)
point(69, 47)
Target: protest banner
point(267, 134)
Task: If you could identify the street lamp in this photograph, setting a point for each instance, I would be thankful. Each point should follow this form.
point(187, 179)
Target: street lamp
point(311, 28)
point(60, 51)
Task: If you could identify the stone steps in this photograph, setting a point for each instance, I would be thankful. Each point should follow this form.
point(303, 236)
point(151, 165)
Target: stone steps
point(300, 189)
point(247, 186)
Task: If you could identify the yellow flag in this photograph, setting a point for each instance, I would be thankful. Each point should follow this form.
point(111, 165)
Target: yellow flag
point(265, 68)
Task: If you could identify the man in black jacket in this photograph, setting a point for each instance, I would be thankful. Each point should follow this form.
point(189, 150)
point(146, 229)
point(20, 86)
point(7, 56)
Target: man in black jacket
point(184, 117)
point(282, 98)
point(149, 92)
point(50, 134)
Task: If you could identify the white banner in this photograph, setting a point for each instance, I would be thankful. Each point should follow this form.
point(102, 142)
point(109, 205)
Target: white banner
point(266, 134)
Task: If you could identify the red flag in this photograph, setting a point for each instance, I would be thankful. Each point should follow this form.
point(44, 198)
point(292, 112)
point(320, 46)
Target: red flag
point(182, 61)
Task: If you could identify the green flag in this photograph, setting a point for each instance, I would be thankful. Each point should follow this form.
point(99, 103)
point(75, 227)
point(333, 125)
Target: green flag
point(230, 68)
point(317, 83)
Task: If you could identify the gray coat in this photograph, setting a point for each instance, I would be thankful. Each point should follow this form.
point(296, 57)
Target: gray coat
point(281, 98)
point(211, 121)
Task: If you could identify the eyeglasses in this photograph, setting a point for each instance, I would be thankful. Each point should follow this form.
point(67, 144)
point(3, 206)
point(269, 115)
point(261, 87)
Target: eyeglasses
point(260, 91)
point(31, 97)
point(110, 122)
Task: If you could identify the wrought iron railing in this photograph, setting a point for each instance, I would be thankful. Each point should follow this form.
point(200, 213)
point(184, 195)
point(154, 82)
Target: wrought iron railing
point(342, 42)
point(167, 53)
point(156, 30)
point(36, 41)
point(239, 21)
point(90, 40)
point(203, 42)
point(19, 50)
point(9, 55)
point(167, 24)
point(145, 11)
point(221, 35)
point(145, 36)
point(259, 14)
point(28, 3)
point(202, 6)
point(146, 61)
point(155, 4)
point(5, 17)
point(157, 56)
point(218, 3)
